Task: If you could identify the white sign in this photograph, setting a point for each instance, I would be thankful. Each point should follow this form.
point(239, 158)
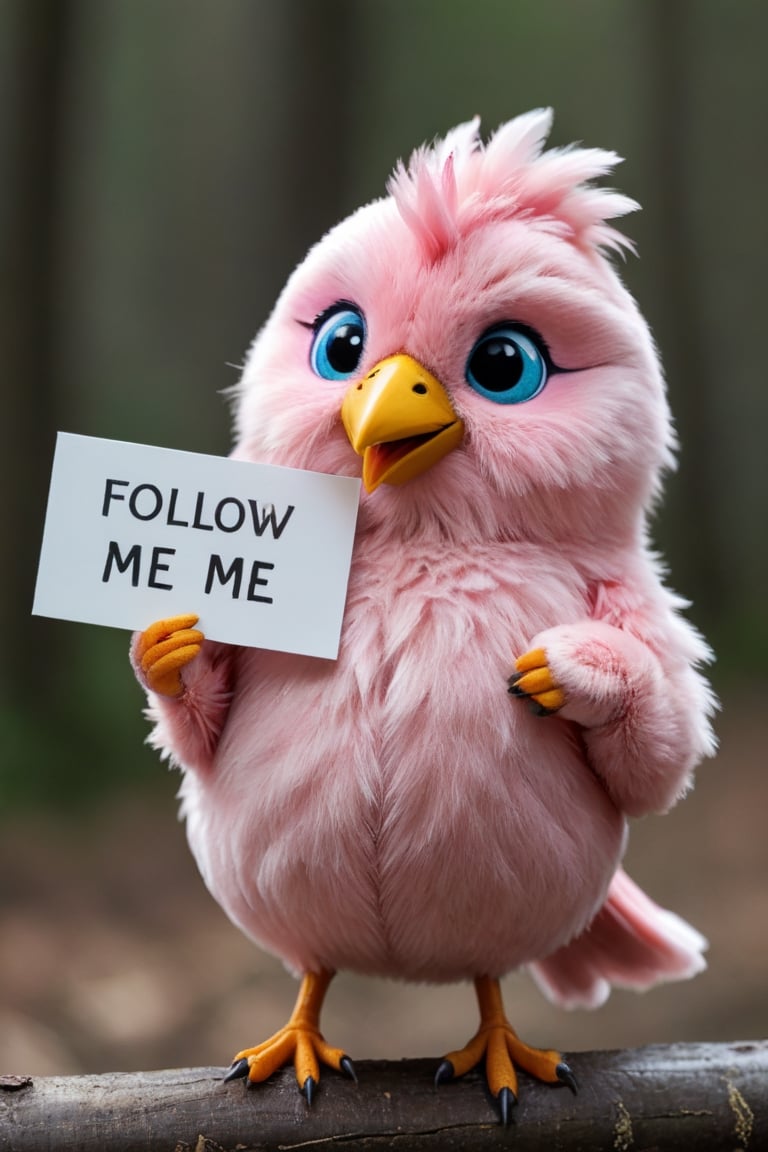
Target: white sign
point(134, 534)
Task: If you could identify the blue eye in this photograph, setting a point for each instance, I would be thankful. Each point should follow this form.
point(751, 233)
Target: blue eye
point(338, 344)
point(507, 365)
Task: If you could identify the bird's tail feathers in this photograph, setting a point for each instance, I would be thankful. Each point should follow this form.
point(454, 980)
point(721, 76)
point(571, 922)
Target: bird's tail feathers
point(631, 943)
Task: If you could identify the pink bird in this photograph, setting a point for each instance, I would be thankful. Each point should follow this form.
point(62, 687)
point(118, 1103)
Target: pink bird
point(397, 812)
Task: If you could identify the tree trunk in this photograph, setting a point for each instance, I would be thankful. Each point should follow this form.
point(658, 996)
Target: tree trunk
point(687, 1097)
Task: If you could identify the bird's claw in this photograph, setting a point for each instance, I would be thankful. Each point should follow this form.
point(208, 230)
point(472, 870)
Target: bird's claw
point(308, 1089)
point(444, 1073)
point(238, 1070)
point(299, 1041)
point(164, 649)
point(566, 1076)
point(507, 1100)
point(348, 1068)
point(500, 1050)
point(305, 1046)
point(506, 1097)
point(309, 1086)
point(533, 681)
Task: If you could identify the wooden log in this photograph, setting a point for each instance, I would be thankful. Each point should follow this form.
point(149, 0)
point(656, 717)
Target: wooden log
point(674, 1097)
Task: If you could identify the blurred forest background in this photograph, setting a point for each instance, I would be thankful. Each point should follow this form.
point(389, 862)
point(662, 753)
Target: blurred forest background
point(165, 165)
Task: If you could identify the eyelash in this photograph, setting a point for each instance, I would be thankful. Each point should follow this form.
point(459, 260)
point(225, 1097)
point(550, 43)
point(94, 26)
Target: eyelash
point(316, 324)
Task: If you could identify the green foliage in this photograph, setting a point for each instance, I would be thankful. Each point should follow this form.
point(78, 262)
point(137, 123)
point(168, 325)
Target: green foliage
point(71, 746)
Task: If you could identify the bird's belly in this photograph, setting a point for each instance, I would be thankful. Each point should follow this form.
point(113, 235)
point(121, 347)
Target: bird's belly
point(397, 812)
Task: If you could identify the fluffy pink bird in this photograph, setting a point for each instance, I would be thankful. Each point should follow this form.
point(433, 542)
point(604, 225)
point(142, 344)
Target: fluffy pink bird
point(397, 812)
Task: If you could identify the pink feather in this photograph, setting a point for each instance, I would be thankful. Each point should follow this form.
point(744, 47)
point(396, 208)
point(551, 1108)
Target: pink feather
point(631, 943)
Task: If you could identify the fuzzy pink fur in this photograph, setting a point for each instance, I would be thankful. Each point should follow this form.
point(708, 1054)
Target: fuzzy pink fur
point(395, 812)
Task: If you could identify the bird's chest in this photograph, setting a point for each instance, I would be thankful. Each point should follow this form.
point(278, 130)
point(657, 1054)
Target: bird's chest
point(417, 621)
point(430, 636)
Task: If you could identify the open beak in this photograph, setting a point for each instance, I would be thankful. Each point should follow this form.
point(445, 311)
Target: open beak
point(400, 420)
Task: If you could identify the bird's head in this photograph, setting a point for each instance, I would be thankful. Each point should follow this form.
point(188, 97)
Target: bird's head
point(466, 346)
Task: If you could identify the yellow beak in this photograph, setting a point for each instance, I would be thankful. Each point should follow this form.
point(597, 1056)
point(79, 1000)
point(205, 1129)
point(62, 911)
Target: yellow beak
point(400, 420)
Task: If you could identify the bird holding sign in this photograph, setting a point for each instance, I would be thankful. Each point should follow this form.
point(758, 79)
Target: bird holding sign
point(448, 801)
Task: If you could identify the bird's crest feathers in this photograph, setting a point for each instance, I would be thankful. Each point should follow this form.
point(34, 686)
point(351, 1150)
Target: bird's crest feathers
point(458, 183)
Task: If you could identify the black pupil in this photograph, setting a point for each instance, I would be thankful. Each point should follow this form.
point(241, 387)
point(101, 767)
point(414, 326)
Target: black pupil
point(345, 346)
point(497, 364)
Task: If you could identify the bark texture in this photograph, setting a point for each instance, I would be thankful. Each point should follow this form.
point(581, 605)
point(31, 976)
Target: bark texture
point(687, 1096)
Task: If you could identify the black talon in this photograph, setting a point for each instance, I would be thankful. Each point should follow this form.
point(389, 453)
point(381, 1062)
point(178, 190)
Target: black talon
point(512, 686)
point(565, 1076)
point(507, 1101)
point(238, 1070)
point(444, 1073)
point(539, 709)
point(348, 1068)
point(309, 1089)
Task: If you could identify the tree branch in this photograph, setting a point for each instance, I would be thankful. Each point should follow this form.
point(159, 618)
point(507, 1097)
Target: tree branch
point(686, 1096)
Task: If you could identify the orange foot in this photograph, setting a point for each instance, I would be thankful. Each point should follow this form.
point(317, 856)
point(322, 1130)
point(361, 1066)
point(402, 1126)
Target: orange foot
point(533, 680)
point(502, 1049)
point(165, 649)
point(299, 1039)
